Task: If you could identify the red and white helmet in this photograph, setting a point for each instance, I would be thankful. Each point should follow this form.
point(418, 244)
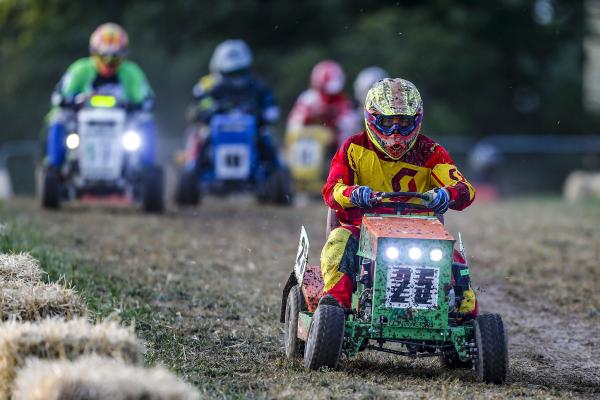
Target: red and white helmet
point(108, 45)
point(328, 77)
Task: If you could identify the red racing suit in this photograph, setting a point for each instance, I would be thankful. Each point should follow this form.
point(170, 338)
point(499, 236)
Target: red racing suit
point(427, 165)
point(334, 111)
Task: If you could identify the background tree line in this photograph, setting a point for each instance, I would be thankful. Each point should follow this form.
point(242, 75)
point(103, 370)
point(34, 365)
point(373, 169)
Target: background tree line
point(498, 66)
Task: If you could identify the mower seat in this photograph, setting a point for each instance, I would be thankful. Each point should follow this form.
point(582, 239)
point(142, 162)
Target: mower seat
point(332, 222)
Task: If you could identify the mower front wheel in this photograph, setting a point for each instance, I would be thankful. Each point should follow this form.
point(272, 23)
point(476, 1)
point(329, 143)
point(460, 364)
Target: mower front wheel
point(491, 364)
point(325, 338)
point(294, 347)
point(51, 188)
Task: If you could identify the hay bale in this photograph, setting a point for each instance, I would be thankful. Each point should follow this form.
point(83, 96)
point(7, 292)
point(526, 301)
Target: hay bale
point(29, 301)
point(98, 378)
point(58, 339)
point(581, 185)
point(19, 267)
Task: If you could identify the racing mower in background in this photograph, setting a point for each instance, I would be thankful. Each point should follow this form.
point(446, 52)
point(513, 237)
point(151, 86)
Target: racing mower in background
point(229, 161)
point(309, 150)
point(403, 301)
point(104, 144)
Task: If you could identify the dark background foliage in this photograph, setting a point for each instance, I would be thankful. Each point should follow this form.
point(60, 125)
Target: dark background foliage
point(483, 66)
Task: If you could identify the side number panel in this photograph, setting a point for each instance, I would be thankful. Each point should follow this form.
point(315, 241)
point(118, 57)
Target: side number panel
point(301, 256)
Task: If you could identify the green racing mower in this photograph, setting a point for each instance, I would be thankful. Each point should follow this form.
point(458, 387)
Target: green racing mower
point(403, 302)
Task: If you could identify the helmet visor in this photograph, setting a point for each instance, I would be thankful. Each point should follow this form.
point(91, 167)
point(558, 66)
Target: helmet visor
point(391, 124)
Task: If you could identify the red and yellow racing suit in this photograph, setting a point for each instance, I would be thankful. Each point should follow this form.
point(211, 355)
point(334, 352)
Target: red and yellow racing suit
point(426, 166)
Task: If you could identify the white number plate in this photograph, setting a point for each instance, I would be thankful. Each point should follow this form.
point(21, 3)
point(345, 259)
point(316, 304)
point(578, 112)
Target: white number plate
point(101, 151)
point(412, 287)
point(301, 256)
point(232, 161)
point(307, 153)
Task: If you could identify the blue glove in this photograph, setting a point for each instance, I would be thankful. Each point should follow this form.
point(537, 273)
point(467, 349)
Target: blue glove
point(361, 196)
point(439, 200)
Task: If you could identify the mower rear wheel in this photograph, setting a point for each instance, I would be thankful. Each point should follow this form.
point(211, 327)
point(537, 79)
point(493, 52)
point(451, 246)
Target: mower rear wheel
point(278, 189)
point(325, 338)
point(294, 347)
point(491, 364)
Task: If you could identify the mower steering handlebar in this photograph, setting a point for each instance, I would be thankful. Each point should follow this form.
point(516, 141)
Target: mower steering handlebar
point(389, 195)
point(378, 199)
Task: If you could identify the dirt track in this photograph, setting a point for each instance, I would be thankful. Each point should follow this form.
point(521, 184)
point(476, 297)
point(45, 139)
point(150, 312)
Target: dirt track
point(211, 279)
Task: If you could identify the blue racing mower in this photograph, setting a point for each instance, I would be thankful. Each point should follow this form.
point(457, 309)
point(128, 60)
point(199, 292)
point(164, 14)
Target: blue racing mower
point(235, 157)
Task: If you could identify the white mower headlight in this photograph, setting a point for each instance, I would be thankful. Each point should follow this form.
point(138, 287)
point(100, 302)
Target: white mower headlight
point(436, 255)
point(414, 253)
point(72, 141)
point(132, 141)
point(392, 253)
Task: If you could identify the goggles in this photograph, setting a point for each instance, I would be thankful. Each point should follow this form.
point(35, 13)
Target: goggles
point(111, 59)
point(391, 124)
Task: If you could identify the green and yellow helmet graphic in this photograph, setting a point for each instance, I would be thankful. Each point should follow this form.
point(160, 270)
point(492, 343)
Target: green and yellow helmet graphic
point(393, 97)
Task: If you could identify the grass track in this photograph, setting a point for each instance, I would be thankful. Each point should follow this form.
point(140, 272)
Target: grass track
point(203, 288)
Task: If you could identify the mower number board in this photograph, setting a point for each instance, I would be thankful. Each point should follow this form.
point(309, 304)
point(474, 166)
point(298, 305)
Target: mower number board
point(412, 287)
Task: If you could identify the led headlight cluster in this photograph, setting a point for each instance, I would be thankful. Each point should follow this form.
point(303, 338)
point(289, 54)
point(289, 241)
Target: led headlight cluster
point(414, 253)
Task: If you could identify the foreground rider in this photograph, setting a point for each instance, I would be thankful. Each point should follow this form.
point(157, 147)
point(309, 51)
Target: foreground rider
point(389, 156)
point(231, 86)
point(325, 103)
point(105, 71)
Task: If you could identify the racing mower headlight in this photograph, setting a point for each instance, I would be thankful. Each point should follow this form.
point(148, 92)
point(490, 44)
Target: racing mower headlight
point(414, 253)
point(132, 141)
point(392, 253)
point(72, 141)
point(436, 255)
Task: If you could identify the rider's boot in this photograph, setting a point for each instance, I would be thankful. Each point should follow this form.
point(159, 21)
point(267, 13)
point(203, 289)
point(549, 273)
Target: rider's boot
point(468, 304)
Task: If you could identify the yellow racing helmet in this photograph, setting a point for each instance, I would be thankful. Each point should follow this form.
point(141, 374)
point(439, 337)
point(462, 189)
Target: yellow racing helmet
point(393, 115)
point(108, 45)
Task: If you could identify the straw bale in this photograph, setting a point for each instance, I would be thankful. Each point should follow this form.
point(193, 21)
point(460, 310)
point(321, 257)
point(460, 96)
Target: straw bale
point(98, 378)
point(582, 185)
point(20, 267)
point(59, 339)
point(29, 301)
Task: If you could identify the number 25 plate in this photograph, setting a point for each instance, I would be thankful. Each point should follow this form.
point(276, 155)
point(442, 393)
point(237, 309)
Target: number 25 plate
point(412, 287)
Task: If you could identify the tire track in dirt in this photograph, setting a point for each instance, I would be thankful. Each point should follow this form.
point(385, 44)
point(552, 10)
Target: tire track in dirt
point(546, 350)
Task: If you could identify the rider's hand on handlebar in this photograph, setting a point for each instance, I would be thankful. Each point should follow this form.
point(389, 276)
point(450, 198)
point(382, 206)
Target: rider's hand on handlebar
point(439, 200)
point(362, 196)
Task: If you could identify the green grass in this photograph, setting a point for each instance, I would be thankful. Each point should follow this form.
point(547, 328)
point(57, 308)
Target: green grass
point(104, 294)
